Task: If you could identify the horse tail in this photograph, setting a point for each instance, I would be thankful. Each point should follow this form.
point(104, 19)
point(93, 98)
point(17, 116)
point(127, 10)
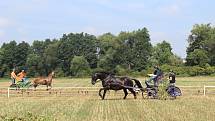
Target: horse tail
point(139, 85)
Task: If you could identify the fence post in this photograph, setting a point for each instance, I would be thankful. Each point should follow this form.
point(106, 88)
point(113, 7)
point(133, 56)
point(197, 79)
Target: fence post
point(204, 90)
point(8, 92)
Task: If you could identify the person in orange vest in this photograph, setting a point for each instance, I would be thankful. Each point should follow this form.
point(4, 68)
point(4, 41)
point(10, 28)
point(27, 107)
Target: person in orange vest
point(13, 76)
point(21, 76)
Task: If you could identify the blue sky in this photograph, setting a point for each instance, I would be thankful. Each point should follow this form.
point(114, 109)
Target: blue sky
point(170, 20)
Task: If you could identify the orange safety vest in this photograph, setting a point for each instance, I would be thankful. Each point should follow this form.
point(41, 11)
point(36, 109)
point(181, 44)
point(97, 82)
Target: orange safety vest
point(21, 75)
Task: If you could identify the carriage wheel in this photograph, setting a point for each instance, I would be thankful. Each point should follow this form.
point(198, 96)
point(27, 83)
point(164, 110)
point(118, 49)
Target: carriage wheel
point(152, 93)
point(174, 91)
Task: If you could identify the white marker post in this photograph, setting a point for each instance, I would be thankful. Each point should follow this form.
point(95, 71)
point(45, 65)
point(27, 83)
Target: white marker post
point(8, 92)
point(204, 90)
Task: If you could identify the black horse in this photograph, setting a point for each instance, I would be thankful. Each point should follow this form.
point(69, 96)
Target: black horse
point(110, 82)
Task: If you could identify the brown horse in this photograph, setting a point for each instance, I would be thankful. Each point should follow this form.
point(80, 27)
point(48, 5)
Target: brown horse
point(44, 81)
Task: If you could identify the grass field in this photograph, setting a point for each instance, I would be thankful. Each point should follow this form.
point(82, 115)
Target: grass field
point(89, 107)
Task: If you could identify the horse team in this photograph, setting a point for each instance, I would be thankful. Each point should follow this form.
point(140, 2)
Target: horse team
point(111, 82)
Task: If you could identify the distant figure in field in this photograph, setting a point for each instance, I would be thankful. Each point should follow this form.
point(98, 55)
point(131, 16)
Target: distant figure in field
point(172, 77)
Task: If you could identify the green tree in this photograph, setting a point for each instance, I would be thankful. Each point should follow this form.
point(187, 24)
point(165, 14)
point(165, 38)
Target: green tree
point(107, 41)
point(135, 50)
point(107, 44)
point(38, 50)
point(198, 37)
point(50, 56)
point(8, 55)
point(201, 36)
point(13, 55)
point(198, 57)
point(33, 63)
point(77, 45)
point(162, 53)
point(210, 45)
point(107, 61)
point(176, 60)
point(22, 50)
point(79, 66)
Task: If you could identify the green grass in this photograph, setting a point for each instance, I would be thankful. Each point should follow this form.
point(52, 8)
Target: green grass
point(5, 79)
point(192, 108)
point(89, 107)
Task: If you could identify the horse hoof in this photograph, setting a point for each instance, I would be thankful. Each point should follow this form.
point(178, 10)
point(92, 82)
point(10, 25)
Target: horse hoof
point(135, 97)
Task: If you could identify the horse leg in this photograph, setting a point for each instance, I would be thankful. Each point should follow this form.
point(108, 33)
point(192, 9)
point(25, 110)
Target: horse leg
point(47, 87)
point(103, 97)
point(35, 86)
point(133, 92)
point(50, 86)
point(100, 92)
point(125, 92)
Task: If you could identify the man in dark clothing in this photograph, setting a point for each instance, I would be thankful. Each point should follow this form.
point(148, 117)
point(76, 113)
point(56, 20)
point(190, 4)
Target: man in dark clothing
point(157, 73)
point(172, 77)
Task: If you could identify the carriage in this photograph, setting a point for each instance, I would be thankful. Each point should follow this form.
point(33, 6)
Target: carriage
point(172, 90)
point(25, 83)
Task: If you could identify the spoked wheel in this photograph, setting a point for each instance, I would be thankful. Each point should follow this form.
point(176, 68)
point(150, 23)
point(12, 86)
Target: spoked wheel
point(152, 93)
point(28, 85)
point(174, 91)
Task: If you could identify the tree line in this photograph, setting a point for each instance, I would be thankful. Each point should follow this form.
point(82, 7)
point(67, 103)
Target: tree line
point(80, 54)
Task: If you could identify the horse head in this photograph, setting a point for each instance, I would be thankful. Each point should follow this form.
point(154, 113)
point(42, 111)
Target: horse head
point(52, 74)
point(94, 78)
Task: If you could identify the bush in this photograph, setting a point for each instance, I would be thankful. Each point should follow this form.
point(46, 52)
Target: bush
point(162, 94)
point(28, 117)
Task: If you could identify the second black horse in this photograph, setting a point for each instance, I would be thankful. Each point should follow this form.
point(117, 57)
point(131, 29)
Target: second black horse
point(110, 82)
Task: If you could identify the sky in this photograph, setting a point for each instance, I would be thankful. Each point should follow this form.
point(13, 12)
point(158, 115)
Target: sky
point(170, 20)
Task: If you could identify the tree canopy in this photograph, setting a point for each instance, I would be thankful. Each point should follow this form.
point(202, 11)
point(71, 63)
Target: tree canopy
point(201, 45)
point(79, 54)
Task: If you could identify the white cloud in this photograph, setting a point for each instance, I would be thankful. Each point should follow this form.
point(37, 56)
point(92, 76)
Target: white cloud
point(2, 33)
point(91, 30)
point(157, 37)
point(22, 31)
point(103, 1)
point(4, 22)
point(122, 6)
point(130, 7)
point(170, 9)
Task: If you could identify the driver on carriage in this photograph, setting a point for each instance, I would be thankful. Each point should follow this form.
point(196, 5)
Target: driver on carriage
point(13, 76)
point(21, 76)
point(155, 77)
